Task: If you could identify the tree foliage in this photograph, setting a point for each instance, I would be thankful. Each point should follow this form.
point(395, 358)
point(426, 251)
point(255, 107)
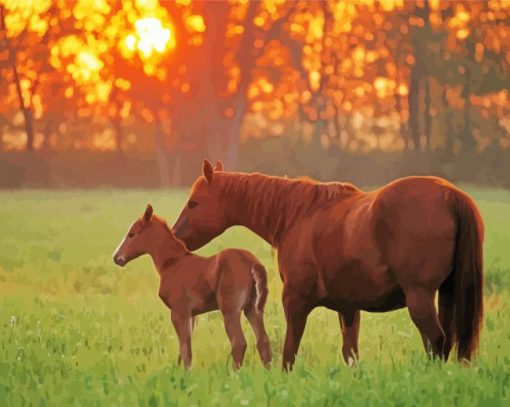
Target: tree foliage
point(205, 76)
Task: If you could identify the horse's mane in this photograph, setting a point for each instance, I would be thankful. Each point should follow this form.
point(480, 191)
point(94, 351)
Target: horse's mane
point(304, 187)
point(327, 190)
point(278, 200)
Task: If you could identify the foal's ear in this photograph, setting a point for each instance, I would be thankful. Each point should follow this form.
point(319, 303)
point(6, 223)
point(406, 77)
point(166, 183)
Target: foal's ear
point(148, 213)
point(219, 166)
point(208, 171)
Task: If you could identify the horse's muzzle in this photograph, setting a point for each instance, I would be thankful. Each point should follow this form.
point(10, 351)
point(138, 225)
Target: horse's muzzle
point(180, 228)
point(119, 260)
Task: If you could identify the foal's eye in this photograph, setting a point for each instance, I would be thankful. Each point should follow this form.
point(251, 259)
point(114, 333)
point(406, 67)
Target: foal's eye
point(192, 204)
point(131, 234)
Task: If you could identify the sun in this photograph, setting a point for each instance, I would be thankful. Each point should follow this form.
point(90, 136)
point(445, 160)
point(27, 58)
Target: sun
point(150, 38)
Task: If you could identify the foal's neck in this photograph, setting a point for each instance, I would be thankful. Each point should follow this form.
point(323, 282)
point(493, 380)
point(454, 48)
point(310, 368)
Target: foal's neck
point(167, 252)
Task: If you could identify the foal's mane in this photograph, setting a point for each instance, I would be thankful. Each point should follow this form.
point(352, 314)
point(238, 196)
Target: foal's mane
point(276, 201)
point(179, 244)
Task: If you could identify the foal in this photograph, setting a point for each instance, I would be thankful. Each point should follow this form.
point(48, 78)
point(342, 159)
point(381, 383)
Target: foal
point(231, 281)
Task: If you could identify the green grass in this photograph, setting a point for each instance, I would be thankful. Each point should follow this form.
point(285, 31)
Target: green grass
point(76, 330)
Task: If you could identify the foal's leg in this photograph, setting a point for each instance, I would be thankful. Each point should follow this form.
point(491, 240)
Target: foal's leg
point(349, 324)
point(420, 303)
point(296, 313)
point(232, 321)
point(182, 325)
point(256, 320)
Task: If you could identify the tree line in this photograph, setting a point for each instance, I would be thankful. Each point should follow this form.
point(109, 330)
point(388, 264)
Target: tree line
point(205, 76)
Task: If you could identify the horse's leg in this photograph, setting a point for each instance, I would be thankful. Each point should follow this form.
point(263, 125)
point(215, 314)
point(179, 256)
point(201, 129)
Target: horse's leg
point(182, 325)
point(420, 303)
point(232, 321)
point(296, 312)
point(256, 320)
point(446, 304)
point(349, 324)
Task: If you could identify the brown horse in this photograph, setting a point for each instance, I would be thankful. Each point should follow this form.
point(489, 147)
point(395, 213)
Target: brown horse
point(231, 281)
point(350, 250)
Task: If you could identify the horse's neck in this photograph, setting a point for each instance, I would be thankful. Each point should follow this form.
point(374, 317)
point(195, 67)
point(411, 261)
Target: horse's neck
point(258, 203)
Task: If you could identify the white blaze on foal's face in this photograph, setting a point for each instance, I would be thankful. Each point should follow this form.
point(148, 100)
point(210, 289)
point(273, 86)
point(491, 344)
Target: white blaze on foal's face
point(133, 244)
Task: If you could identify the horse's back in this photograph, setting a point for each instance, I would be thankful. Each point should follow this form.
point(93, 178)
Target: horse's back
point(422, 206)
point(414, 217)
point(379, 239)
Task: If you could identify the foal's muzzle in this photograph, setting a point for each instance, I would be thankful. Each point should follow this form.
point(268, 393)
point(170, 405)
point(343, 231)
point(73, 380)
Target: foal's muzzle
point(119, 260)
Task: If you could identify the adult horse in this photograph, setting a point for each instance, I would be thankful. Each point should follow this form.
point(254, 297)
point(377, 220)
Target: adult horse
point(350, 250)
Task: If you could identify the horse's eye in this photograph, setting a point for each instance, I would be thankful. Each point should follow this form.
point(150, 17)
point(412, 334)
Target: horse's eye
point(131, 234)
point(192, 204)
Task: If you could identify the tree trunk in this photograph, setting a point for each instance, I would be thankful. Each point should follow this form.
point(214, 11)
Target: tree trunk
point(27, 111)
point(448, 117)
point(246, 57)
point(176, 173)
point(29, 129)
point(427, 117)
point(205, 114)
point(398, 98)
point(467, 136)
point(336, 123)
point(419, 75)
point(161, 157)
point(119, 135)
point(402, 127)
point(202, 119)
point(466, 93)
point(234, 131)
point(318, 131)
point(47, 132)
point(414, 106)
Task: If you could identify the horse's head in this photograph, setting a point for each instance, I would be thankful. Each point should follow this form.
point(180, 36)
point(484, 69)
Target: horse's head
point(204, 216)
point(142, 237)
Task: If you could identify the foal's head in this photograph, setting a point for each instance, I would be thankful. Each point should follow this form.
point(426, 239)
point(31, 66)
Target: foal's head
point(205, 214)
point(145, 236)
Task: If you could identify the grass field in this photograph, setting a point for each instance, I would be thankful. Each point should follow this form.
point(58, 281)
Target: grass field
point(76, 330)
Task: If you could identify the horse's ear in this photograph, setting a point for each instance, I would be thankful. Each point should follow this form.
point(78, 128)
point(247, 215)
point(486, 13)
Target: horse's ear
point(208, 171)
point(148, 213)
point(219, 166)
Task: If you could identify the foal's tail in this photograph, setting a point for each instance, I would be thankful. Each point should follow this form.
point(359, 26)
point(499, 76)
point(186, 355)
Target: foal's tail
point(260, 276)
point(464, 288)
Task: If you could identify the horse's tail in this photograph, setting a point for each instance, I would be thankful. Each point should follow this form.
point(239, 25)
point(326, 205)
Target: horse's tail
point(260, 276)
point(463, 289)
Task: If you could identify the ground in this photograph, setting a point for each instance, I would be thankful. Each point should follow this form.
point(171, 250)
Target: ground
point(77, 330)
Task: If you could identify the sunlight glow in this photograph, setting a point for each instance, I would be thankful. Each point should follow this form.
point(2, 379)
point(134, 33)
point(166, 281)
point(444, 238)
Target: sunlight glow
point(150, 37)
point(195, 23)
